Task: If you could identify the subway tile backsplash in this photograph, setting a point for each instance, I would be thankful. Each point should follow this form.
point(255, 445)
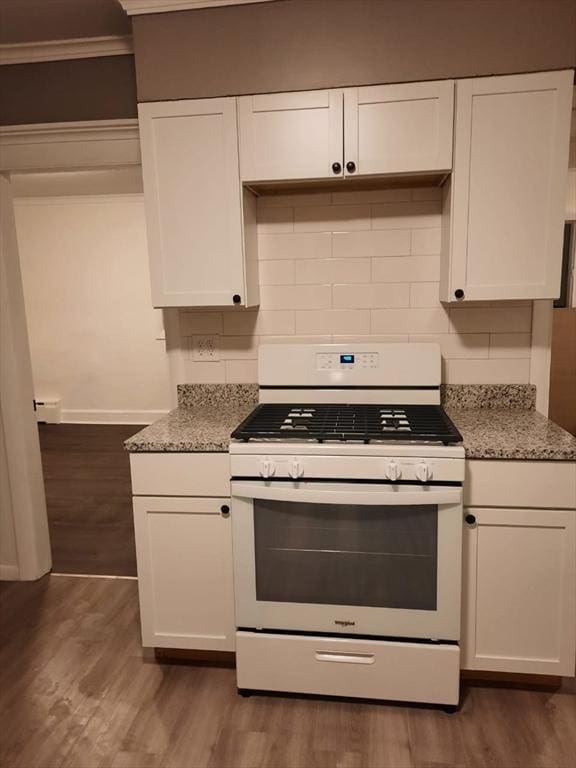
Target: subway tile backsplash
point(358, 266)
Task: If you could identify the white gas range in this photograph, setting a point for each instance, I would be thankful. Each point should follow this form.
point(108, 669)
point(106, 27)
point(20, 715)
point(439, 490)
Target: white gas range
point(347, 525)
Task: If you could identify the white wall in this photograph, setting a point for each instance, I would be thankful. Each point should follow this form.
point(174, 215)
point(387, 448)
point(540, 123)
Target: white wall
point(93, 333)
point(347, 266)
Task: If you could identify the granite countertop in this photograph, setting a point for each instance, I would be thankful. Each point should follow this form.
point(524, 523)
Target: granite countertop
point(190, 429)
point(503, 433)
point(495, 422)
point(203, 421)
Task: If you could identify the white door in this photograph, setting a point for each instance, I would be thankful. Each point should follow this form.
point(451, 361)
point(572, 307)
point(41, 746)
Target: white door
point(507, 197)
point(366, 559)
point(519, 590)
point(193, 202)
point(287, 136)
point(184, 553)
point(398, 128)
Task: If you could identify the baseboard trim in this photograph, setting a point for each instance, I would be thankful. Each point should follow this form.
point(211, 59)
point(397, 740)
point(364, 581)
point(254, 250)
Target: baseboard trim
point(9, 572)
point(71, 416)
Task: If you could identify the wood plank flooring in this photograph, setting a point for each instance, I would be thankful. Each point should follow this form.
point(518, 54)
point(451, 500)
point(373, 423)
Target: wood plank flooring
point(88, 495)
point(76, 692)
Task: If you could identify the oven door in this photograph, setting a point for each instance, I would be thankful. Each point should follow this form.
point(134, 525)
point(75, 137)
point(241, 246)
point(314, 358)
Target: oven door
point(350, 558)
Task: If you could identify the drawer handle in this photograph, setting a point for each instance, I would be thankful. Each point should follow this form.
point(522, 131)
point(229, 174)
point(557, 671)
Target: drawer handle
point(346, 658)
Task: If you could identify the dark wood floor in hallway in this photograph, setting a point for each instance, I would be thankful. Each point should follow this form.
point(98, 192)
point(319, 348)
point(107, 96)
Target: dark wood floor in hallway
point(76, 692)
point(88, 494)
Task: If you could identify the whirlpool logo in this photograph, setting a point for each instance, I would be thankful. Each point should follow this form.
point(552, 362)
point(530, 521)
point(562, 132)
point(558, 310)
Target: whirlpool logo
point(344, 623)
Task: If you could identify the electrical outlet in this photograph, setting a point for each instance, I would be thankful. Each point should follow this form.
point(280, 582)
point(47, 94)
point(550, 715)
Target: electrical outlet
point(205, 349)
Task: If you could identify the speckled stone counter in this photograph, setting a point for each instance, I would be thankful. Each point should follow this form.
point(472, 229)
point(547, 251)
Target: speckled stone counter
point(203, 421)
point(509, 396)
point(503, 433)
point(496, 422)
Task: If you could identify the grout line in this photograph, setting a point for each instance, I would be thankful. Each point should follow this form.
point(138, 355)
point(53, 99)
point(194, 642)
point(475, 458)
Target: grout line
point(93, 576)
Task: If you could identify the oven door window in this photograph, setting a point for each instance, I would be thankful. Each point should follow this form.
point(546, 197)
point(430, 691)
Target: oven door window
point(378, 556)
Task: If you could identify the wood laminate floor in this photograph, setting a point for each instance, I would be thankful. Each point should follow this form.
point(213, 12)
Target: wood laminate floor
point(88, 495)
point(76, 692)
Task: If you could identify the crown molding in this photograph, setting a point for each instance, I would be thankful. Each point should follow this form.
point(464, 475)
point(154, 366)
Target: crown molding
point(137, 7)
point(60, 146)
point(59, 50)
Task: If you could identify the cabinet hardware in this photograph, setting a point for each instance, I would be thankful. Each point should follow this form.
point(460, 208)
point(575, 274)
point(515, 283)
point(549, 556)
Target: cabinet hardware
point(350, 166)
point(470, 519)
point(336, 167)
point(459, 293)
point(225, 509)
point(236, 298)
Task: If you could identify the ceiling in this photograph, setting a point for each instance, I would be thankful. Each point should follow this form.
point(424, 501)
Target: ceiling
point(33, 20)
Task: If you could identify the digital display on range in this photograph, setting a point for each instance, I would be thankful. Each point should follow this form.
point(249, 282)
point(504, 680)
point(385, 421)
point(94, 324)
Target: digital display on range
point(346, 359)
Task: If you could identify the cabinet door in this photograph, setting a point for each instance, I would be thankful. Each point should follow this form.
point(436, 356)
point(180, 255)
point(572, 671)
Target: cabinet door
point(193, 202)
point(398, 128)
point(519, 591)
point(287, 136)
point(507, 198)
point(184, 553)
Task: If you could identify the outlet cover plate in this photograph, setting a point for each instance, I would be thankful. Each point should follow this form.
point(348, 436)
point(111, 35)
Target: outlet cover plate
point(205, 348)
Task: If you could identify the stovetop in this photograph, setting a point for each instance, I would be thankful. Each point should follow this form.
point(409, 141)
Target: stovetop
point(348, 423)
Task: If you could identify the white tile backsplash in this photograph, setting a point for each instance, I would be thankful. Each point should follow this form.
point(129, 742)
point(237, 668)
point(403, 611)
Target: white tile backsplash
point(332, 218)
point(371, 296)
point(412, 215)
point(295, 296)
point(406, 269)
point(279, 272)
point(333, 321)
point(371, 244)
point(354, 267)
point(426, 241)
point(424, 294)
point(275, 220)
point(301, 245)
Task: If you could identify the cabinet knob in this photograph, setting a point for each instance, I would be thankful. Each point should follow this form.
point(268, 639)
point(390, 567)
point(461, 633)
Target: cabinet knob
point(336, 167)
point(350, 166)
point(459, 293)
point(236, 298)
point(470, 519)
point(225, 509)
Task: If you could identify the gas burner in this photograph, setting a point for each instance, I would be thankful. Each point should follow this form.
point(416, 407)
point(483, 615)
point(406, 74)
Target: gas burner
point(348, 423)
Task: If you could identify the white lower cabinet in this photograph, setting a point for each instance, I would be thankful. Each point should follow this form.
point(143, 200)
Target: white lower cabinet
point(519, 590)
point(184, 552)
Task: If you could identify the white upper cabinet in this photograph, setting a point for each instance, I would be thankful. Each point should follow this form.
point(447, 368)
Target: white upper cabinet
point(504, 207)
point(398, 128)
point(286, 136)
point(200, 226)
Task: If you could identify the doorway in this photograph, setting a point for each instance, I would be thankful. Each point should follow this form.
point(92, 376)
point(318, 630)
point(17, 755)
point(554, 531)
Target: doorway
point(98, 355)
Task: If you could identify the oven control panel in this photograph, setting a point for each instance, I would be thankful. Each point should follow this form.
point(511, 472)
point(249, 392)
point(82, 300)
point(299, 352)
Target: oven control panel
point(346, 361)
point(391, 468)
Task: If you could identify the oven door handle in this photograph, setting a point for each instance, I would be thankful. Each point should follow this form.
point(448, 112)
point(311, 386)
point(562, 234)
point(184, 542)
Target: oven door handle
point(347, 493)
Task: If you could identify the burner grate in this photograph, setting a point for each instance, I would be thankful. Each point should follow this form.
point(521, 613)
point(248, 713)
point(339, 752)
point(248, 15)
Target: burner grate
point(360, 423)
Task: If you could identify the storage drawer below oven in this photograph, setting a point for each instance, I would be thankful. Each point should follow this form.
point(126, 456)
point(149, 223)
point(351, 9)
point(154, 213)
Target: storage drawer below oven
point(371, 669)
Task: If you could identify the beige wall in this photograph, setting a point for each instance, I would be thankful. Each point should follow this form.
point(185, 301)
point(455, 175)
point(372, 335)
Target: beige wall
point(93, 333)
point(358, 266)
point(60, 91)
point(29, 20)
point(299, 44)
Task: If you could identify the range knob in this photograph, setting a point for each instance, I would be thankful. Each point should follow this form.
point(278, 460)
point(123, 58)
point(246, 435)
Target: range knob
point(423, 472)
point(296, 470)
point(393, 471)
point(267, 468)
